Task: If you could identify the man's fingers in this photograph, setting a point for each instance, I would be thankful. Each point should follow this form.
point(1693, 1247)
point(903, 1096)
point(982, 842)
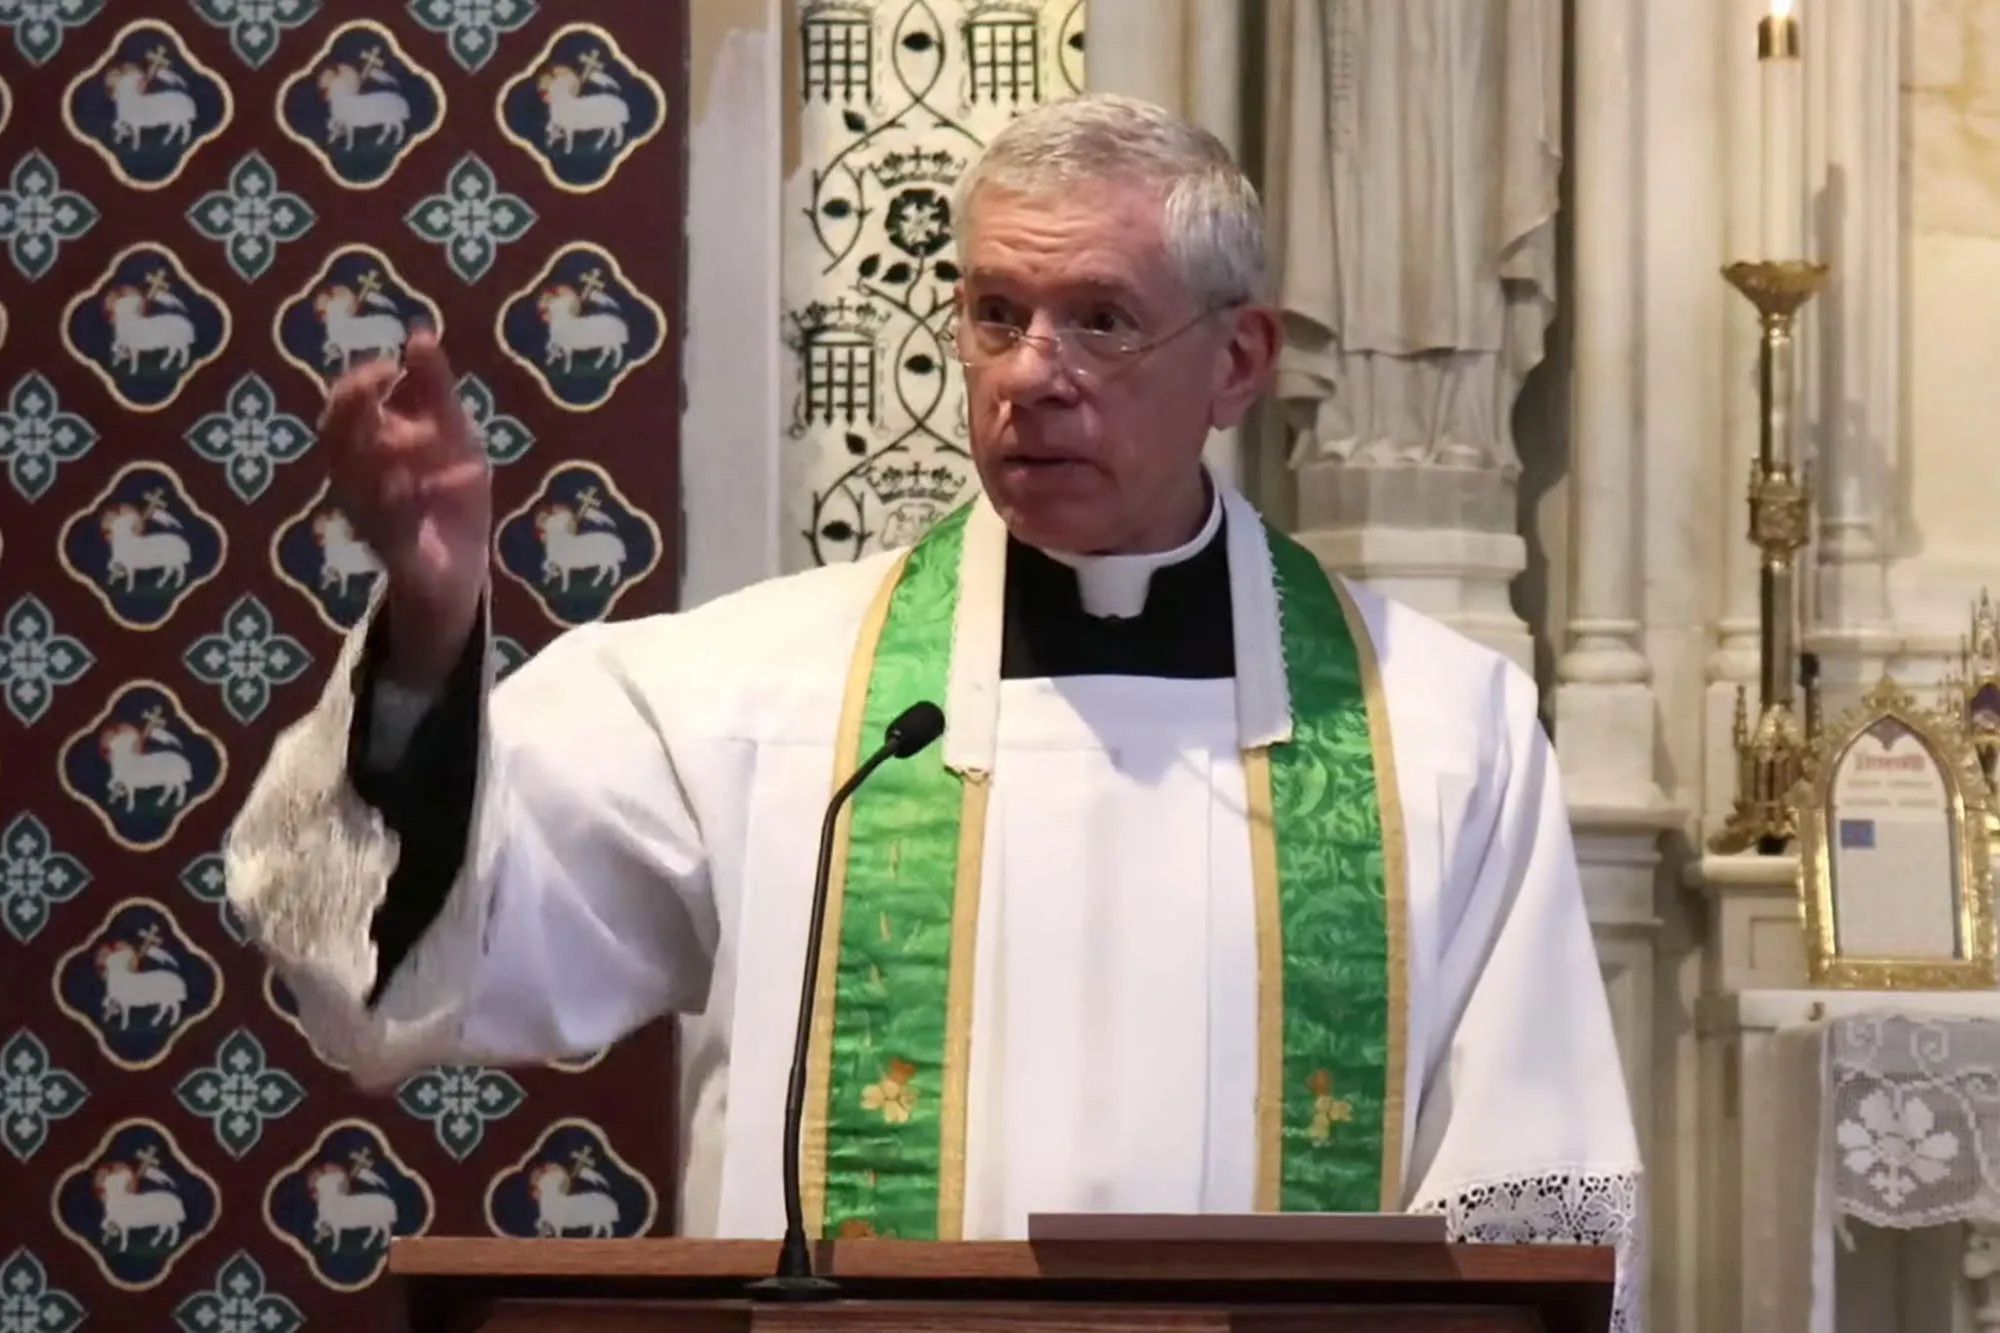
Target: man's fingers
point(401, 445)
point(429, 383)
point(457, 477)
point(398, 488)
point(381, 471)
point(428, 391)
point(407, 437)
point(354, 403)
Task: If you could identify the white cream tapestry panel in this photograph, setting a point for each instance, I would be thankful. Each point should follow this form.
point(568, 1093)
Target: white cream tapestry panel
point(893, 100)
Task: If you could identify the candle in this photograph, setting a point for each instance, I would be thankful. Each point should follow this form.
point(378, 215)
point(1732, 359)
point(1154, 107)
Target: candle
point(1779, 68)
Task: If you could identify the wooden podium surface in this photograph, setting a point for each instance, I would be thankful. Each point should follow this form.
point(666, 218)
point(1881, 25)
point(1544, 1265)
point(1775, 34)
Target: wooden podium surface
point(459, 1285)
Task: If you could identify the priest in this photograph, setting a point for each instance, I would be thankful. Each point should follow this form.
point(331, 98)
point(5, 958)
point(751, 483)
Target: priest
point(1229, 887)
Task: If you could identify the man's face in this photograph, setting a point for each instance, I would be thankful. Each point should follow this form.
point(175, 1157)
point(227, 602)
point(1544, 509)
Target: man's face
point(1080, 453)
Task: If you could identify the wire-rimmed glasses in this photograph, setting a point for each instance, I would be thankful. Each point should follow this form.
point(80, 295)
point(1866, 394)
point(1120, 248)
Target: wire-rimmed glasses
point(978, 343)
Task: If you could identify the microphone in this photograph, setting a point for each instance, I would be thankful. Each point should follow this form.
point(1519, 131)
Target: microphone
point(909, 734)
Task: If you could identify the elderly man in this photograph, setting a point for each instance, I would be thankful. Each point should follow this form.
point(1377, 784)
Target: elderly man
point(1229, 888)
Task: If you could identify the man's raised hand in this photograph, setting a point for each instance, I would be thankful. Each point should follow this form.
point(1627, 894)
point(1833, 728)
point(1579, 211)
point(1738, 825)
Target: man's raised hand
point(409, 469)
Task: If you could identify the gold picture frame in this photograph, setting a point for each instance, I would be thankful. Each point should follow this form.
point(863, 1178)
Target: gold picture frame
point(1872, 843)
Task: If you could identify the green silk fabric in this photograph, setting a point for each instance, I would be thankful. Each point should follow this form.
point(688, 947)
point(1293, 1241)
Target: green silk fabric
point(1332, 906)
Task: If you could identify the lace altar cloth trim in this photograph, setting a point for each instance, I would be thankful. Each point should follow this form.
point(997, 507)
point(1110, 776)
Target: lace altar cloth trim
point(1558, 1207)
point(1915, 1119)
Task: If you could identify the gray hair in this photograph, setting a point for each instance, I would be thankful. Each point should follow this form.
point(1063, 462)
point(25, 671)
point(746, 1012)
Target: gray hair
point(1212, 220)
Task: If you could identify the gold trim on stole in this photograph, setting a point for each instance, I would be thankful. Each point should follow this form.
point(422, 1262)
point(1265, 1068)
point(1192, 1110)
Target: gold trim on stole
point(1270, 981)
point(819, 1050)
point(1395, 894)
point(958, 1008)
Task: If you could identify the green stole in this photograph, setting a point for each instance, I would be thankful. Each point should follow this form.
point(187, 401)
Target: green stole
point(884, 1151)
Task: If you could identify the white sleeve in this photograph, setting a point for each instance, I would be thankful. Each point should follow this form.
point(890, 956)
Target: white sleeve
point(581, 909)
point(1524, 1130)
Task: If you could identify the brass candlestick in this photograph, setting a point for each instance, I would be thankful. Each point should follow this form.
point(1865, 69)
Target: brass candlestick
point(1769, 754)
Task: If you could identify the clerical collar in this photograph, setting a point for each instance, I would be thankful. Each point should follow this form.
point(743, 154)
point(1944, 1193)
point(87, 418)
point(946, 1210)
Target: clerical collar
point(1115, 586)
point(1179, 625)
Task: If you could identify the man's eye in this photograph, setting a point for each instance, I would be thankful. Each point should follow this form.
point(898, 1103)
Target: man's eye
point(992, 310)
point(1105, 320)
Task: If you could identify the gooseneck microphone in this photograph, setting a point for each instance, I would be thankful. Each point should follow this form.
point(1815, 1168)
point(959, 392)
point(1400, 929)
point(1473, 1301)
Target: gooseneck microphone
point(912, 730)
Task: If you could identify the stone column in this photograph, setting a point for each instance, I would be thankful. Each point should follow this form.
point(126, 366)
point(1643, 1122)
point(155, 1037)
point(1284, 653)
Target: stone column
point(1854, 386)
point(1137, 49)
point(1188, 56)
point(1734, 663)
point(1606, 728)
point(1605, 725)
point(731, 424)
point(1682, 307)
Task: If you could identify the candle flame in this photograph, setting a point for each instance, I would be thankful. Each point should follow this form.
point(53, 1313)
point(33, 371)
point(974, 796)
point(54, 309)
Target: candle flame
point(1782, 9)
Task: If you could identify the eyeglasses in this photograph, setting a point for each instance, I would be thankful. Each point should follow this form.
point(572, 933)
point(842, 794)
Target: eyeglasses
point(978, 343)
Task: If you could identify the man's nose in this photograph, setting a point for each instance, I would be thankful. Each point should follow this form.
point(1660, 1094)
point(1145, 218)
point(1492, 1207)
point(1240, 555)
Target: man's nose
point(1035, 371)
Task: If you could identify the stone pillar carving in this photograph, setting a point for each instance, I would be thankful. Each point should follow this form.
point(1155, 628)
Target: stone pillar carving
point(1853, 370)
point(1605, 725)
point(1417, 301)
point(1733, 664)
point(731, 461)
point(1187, 56)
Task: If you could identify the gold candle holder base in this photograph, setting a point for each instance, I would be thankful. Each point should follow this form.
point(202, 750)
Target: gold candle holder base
point(1770, 759)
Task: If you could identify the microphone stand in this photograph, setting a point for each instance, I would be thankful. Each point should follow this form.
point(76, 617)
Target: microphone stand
point(914, 729)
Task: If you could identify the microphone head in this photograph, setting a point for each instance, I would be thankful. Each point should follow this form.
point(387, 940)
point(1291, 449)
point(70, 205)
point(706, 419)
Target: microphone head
point(914, 728)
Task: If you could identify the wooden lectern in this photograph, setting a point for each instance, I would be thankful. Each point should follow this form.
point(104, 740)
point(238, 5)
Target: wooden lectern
point(454, 1285)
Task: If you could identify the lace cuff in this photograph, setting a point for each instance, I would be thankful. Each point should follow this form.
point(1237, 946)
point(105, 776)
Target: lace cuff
point(308, 861)
point(1562, 1207)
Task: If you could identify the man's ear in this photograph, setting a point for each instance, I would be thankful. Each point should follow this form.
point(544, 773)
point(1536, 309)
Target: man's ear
point(1245, 365)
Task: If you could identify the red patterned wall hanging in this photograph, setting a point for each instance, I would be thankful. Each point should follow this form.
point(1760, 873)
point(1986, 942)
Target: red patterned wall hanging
point(210, 208)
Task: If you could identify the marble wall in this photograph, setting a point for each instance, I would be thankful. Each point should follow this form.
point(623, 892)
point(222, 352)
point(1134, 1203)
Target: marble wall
point(1948, 483)
point(730, 421)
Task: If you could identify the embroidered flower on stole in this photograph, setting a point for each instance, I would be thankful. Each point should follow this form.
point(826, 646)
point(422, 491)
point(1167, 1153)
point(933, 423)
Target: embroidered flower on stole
point(1328, 1110)
point(893, 1096)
